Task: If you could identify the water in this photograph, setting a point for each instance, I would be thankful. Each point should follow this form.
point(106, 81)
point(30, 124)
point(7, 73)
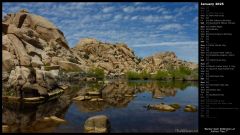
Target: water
point(126, 114)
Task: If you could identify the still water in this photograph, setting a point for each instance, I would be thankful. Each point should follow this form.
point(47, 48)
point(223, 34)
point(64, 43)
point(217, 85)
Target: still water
point(125, 113)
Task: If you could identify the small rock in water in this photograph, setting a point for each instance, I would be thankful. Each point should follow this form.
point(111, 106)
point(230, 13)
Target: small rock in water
point(64, 87)
point(100, 99)
point(97, 124)
point(176, 106)
point(93, 93)
point(162, 107)
point(87, 97)
point(5, 129)
point(190, 108)
point(56, 119)
point(79, 98)
point(159, 97)
point(129, 95)
point(94, 99)
point(53, 119)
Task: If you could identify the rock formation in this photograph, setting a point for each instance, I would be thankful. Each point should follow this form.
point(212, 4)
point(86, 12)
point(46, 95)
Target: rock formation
point(163, 61)
point(30, 44)
point(114, 59)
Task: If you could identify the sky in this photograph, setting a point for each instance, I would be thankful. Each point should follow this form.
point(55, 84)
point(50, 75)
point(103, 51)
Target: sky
point(147, 28)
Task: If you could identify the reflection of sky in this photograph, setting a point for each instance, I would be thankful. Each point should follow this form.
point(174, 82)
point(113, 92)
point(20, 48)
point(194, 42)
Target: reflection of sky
point(146, 27)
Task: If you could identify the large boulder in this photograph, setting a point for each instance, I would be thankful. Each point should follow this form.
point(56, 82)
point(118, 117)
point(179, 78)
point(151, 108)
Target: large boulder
point(97, 124)
point(19, 76)
point(47, 79)
point(8, 61)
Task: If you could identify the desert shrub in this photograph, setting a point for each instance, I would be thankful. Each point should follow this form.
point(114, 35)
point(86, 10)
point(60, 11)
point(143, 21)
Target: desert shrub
point(180, 73)
point(96, 72)
point(145, 75)
point(162, 75)
point(131, 75)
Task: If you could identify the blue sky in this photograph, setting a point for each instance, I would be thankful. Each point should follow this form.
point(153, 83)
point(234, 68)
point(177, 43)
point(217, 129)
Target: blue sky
point(146, 27)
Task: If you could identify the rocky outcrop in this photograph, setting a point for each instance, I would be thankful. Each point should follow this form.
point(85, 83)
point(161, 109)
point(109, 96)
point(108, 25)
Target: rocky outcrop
point(30, 42)
point(163, 61)
point(114, 59)
point(97, 124)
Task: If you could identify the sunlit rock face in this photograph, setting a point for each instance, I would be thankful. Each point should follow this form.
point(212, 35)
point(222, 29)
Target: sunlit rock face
point(114, 58)
point(163, 61)
point(30, 44)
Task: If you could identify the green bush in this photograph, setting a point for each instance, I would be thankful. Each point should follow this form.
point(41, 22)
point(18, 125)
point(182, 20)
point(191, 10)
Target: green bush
point(131, 75)
point(145, 75)
point(96, 72)
point(180, 73)
point(161, 75)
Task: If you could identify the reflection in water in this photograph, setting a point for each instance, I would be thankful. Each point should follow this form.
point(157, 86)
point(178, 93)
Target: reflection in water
point(120, 93)
point(116, 95)
point(22, 117)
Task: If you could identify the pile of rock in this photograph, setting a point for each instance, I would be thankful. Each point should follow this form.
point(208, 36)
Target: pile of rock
point(163, 61)
point(114, 59)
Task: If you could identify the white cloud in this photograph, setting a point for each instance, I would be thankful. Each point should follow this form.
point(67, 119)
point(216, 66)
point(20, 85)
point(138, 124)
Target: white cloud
point(195, 19)
point(187, 8)
point(173, 26)
point(118, 17)
point(134, 17)
point(128, 9)
point(108, 9)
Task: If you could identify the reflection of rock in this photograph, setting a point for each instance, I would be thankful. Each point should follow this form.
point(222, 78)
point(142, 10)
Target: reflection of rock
point(97, 124)
point(162, 107)
point(190, 108)
point(119, 94)
point(91, 106)
point(5, 129)
point(47, 124)
point(34, 118)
